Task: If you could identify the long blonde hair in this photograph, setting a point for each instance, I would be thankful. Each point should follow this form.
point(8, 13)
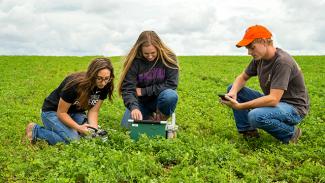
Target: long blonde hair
point(147, 38)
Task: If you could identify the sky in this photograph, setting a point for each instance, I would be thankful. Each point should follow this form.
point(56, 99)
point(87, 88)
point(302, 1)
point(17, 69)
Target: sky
point(188, 27)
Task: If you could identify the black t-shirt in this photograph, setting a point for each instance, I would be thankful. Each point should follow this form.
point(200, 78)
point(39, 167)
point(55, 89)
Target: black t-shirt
point(282, 72)
point(70, 95)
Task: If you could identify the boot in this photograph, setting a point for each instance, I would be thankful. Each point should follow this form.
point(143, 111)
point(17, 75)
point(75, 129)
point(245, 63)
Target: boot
point(250, 134)
point(160, 116)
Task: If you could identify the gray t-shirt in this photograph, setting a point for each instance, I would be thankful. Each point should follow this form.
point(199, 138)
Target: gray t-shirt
point(282, 72)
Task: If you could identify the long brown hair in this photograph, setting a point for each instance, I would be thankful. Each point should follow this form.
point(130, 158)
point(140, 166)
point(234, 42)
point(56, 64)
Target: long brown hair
point(86, 81)
point(147, 38)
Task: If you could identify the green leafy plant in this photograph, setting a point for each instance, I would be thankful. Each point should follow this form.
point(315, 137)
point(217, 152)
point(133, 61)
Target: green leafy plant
point(207, 147)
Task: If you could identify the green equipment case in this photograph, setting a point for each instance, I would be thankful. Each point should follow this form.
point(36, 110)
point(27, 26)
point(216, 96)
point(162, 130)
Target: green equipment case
point(150, 128)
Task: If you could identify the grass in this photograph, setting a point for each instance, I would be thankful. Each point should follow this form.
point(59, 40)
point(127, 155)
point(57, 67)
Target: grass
point(207, 149)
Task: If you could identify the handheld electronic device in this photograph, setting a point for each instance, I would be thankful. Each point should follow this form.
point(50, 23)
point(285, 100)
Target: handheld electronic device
point(222, 96)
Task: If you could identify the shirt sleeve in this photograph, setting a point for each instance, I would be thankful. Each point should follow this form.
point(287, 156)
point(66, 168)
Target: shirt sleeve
point(69, 95)
point(129, 88)
point(251, 69)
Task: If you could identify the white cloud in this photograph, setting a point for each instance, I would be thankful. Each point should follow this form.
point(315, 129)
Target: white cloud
point(189, 27)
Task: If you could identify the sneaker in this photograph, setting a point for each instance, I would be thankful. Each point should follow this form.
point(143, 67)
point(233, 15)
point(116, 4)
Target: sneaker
point(29, 132)
point(250, 134)
point(295, 137)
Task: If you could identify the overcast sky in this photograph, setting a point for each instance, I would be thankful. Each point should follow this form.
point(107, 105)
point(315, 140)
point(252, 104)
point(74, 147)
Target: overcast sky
point(189, 27)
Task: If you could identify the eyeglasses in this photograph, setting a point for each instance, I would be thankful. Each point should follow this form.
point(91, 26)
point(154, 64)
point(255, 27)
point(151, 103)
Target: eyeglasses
point(101, 79)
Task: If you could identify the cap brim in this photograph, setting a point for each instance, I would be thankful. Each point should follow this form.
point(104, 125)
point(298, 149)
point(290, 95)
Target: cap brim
point(244, 42)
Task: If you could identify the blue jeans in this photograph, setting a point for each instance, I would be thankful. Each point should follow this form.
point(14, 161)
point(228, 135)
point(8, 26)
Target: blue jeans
point(54, 131)
point(279, 121)
point(165, 103)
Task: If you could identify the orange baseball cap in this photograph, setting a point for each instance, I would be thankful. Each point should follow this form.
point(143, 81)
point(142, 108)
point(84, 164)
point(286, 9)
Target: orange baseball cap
point(252, 33)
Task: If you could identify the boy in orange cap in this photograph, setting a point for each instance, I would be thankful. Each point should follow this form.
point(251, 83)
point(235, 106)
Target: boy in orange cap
point(284, 102)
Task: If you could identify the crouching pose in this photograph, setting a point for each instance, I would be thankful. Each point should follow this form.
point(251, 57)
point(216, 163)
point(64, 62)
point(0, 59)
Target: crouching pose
point(284, 102)
point(149, 79)
point(64, 110)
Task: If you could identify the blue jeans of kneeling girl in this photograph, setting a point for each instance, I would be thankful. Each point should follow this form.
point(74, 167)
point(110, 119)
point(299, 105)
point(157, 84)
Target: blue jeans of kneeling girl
point(279, 121)
point(54, 131)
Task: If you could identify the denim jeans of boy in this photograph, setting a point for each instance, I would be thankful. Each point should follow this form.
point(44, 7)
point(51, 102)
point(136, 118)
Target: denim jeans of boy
point(54, 131)
point(165, 103)
point(279, 121)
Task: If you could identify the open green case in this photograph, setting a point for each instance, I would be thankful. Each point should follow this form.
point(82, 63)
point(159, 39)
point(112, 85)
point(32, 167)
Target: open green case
point(150, 128)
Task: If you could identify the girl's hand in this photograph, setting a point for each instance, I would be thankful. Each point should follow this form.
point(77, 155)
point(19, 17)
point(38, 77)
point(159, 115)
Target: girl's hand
point(83, 129)
point(136, 114)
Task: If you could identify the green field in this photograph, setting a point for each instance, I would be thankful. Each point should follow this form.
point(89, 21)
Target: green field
point(207, 149)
